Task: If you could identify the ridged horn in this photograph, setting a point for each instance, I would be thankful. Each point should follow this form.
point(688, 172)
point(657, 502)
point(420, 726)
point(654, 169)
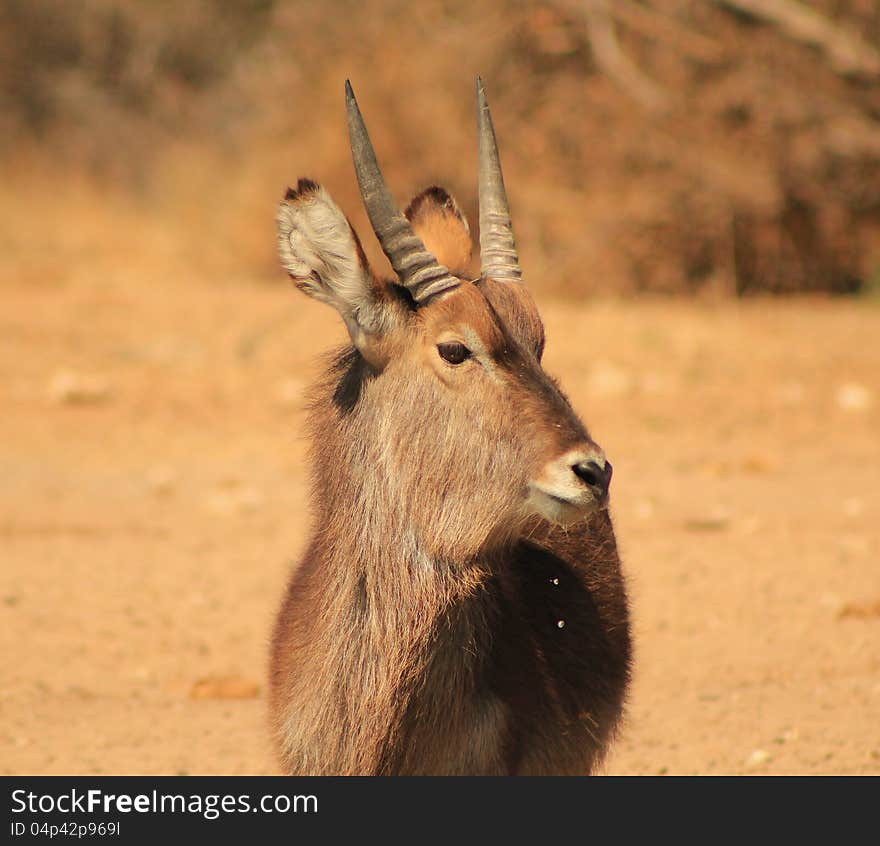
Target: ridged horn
point(498, 255)
point(418, 270)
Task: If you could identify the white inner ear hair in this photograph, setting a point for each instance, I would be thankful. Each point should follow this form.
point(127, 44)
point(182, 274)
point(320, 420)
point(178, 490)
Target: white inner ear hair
point(318, 250)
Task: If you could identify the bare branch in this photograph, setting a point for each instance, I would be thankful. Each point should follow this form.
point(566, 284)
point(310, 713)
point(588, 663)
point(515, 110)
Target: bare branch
point(847, 52)
point(614, 63)
point(661, 27)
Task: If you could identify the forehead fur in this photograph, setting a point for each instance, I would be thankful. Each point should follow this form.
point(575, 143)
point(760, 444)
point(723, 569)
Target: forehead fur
point(464, 307)
point(493, 310)
point(517, 310)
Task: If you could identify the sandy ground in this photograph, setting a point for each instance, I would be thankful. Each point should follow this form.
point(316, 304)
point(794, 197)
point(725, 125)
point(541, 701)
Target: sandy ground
point(153, 499)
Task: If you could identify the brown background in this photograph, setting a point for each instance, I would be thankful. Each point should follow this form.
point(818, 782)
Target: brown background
point(153, 357)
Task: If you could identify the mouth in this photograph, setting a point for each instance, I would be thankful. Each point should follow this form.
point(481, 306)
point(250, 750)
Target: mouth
point(560, 508)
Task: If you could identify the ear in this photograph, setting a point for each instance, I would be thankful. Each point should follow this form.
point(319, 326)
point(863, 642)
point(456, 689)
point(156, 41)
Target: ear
point(321, 252)
point(439, 222)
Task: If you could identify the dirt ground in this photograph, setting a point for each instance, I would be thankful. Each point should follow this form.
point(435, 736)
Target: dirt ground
point(153, 499)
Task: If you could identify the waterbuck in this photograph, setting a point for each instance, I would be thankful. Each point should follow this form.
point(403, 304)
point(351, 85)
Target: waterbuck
point(460, 607)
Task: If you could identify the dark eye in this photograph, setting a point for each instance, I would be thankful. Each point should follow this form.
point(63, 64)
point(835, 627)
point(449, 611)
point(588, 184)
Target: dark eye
point(454, 352)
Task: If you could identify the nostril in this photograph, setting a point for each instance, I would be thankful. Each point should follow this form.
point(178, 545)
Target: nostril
point(588, 471)
point(594, 475)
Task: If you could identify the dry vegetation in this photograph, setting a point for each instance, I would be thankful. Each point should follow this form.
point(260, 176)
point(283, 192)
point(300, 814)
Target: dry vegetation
point(681, 147)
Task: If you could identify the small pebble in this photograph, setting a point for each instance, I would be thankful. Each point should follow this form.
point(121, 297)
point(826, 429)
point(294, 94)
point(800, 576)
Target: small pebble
point(224, 687)
point(853, 543)
point(235, 501)
point(67, 387)
point(161, 480)
point(852, 396)
point(289, 393)
point(860, 610)
point(758, 758)
point(644, 509)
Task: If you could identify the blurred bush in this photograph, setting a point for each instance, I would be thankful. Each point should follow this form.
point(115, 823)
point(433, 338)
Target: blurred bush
point(102, 76)
point(671, 146)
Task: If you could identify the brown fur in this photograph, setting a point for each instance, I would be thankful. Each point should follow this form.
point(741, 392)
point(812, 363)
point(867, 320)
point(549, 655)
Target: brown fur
point(420, 632)
point(438, 221)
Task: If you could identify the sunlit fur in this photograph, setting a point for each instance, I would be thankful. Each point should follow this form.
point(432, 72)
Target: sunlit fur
point(437, 622)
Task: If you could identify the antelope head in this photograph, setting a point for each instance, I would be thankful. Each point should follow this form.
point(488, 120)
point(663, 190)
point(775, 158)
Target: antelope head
point(455, 417)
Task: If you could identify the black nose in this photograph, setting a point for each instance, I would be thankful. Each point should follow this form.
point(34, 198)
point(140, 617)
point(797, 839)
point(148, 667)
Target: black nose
point(592, 474)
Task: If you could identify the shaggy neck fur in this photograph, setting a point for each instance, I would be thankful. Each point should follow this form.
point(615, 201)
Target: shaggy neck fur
point(398, 653)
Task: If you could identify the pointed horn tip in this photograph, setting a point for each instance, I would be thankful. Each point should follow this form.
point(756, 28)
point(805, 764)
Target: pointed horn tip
point(349, 91)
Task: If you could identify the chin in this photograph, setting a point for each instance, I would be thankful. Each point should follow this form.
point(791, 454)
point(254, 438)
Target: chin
point(561, 510)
